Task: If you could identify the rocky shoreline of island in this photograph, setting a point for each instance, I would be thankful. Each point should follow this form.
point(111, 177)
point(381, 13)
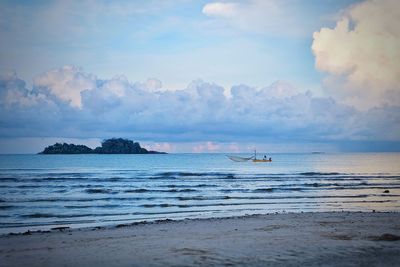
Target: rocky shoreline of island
point(108, 146)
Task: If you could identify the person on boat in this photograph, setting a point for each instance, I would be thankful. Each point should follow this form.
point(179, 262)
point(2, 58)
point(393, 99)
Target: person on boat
point(270, 159)
point(265, 157)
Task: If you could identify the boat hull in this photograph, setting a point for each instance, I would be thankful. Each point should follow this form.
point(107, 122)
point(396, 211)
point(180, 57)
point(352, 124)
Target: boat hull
point(262, 160)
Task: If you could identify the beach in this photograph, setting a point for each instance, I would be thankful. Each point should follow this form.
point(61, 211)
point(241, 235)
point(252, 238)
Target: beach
point(284, 239)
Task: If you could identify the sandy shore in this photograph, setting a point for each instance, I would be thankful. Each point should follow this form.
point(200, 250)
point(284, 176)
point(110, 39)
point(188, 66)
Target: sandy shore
point(307, 239)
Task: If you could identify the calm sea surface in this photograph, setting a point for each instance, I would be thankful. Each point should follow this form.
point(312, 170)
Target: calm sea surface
point(46, 191)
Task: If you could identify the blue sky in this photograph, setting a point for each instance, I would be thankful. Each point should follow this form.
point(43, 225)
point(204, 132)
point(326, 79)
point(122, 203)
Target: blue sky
point(171, 40)
point(201, 75)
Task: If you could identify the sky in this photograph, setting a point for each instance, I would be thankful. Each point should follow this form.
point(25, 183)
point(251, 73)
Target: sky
point(201, 76)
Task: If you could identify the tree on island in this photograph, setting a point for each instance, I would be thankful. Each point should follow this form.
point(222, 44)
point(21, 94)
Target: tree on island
point(108, 146)
point(65, 148)
point(120, 146)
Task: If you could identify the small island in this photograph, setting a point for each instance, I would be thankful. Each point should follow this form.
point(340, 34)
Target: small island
point(108, 146)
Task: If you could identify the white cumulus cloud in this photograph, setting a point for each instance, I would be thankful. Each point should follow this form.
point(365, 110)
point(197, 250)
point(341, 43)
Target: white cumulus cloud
point(66, 83)
point(150, 85)
point(362, 54)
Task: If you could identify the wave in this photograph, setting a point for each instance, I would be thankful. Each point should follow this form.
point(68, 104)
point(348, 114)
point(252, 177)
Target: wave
point(260, 190)
point(127, 200)
point(6, 207)
point(175, 175)
point(185, 185)
point(92, 206)
point(99, 191)
point(258, 203)
point(167, 174)
point(200, 178)
point(52, 215)
point(8, 179)
point(144, 190)
point(319, 173)
point(140, 190)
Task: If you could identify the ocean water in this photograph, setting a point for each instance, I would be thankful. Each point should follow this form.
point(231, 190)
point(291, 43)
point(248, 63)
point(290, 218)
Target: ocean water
point(47, 191)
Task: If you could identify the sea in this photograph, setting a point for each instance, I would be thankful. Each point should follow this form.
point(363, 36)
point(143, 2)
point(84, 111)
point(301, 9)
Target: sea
point(41, 192)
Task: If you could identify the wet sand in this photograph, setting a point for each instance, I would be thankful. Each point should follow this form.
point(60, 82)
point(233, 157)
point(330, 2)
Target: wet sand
point(306, 239)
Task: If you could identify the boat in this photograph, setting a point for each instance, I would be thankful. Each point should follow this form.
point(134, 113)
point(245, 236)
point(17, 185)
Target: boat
point(260, 160)
point(243, 159)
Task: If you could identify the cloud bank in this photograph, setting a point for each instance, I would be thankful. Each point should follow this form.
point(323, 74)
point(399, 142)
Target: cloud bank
point(361, 54)
point(68, 102)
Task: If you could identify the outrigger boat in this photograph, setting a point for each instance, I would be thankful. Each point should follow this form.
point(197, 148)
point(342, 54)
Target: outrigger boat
point(253, 158)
